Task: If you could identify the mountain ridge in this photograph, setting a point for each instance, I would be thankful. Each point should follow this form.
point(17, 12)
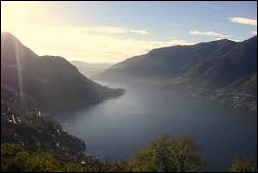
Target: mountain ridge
point(51, 81)
point(90, 69)
point(208, 67)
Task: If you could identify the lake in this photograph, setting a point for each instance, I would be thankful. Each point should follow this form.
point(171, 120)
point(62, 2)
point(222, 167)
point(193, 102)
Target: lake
point(117, 127)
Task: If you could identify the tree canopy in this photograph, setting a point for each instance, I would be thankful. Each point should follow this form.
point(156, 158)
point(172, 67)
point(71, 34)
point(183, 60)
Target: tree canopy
point(243, 164)
point(169, 155)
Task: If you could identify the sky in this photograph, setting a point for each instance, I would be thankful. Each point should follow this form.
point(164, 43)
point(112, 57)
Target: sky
point(110, 32)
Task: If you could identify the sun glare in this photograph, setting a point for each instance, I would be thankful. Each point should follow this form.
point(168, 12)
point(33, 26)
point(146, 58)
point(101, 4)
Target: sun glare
point(13, 12)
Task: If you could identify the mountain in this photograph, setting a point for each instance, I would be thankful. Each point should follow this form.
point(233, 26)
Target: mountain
point(51, 82)
point(218, 69)
point(239, 62)
point(33, 89)
point(168, 62)
point(37, 132)
point(90, 69)
point(247, 85)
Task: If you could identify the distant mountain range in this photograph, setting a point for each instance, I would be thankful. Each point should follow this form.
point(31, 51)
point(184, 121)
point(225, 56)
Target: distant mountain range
point(48, 82)
point(211, 70)
point(90, 69)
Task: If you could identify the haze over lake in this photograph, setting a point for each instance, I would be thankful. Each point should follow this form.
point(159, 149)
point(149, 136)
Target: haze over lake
point(116, 128)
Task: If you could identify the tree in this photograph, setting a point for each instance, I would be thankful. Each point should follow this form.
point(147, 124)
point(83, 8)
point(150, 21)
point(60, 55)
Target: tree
point(21, 161)
point(169, 155)
point(8, 152)
point(243, 164)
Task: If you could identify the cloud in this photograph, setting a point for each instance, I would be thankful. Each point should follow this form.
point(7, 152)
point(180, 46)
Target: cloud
point(209, 33)
point(142, 32)
point(244, 21)
point(90, 44)
point(236, 40)
point(104, 30)
point(111, 30)
point(254, 32)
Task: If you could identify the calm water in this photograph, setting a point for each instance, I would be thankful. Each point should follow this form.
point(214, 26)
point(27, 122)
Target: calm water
point(117, 127)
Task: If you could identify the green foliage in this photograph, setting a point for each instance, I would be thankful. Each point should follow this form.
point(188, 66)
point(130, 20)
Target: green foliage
point(169, 155)
point(21, 160)
point(8, 152)
point(15, 158)
point(243, 164)
point(72, 167)
point(166, 155)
